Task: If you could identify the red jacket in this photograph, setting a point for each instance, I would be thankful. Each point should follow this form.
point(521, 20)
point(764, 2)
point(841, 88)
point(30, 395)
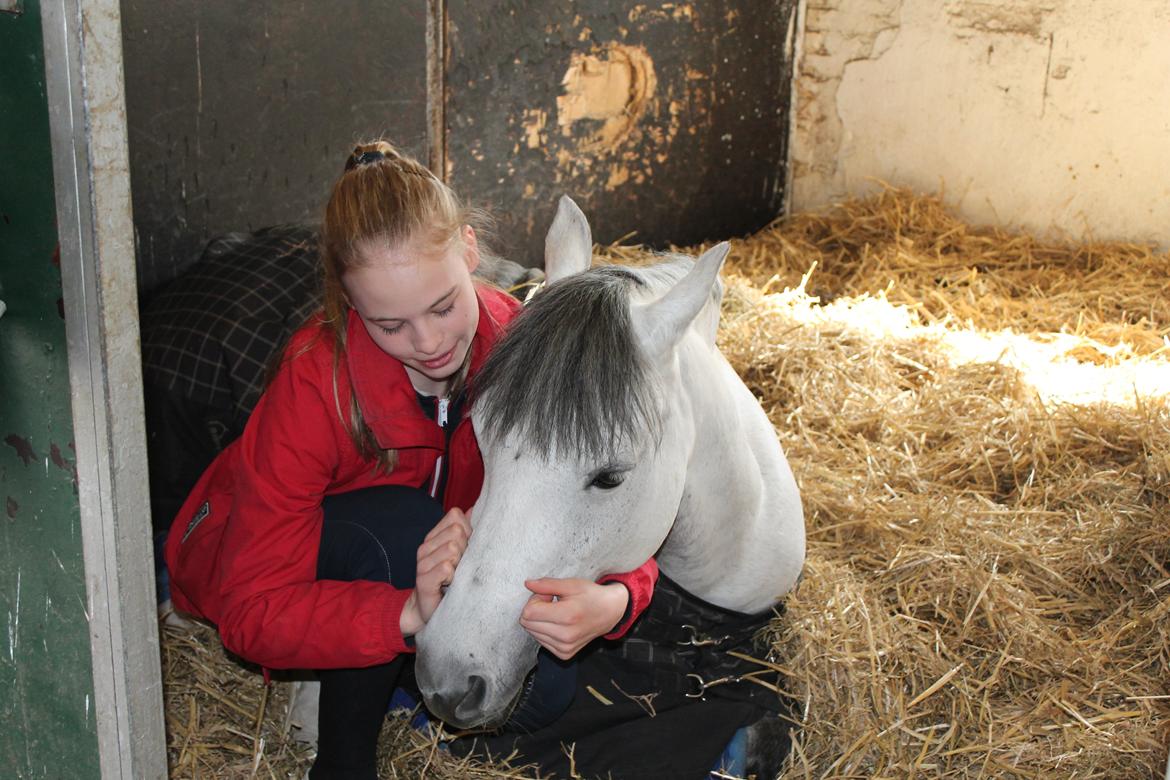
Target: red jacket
point(242, 551)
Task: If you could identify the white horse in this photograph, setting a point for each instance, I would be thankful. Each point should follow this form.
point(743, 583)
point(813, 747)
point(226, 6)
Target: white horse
point(612, 430)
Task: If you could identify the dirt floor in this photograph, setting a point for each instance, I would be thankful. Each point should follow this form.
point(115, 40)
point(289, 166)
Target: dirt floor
point(979, 425)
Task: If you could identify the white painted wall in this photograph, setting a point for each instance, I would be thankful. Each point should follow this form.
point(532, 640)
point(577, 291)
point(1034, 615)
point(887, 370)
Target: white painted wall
point(1046, 115)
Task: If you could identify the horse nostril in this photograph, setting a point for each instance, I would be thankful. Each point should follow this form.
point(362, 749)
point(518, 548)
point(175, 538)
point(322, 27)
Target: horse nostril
point(471, 707)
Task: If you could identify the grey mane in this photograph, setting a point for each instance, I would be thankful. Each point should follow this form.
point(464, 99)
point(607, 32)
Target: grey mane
point(569, 376)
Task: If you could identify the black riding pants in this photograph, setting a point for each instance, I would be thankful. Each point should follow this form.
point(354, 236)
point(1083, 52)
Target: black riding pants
point(374, 534)
point(370, 534)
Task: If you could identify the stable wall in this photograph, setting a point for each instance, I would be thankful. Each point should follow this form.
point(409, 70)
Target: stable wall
point(667, 120)
point(664, 120)
point(240, 115)
point(1048, 115)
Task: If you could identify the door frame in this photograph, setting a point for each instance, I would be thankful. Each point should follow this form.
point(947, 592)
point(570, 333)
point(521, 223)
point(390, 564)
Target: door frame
point(87, 119)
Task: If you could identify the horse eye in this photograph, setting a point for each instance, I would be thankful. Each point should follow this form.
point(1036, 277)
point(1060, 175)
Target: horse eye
point(607, 480)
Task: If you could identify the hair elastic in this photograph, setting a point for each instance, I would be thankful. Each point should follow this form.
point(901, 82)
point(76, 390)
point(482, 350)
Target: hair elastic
point(365, 158)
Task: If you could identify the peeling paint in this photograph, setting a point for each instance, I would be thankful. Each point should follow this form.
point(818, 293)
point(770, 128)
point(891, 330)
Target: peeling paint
point(55, 456)
point(614, 87)
point(535, 121)
point(609, 104)
point(1000, 18)
point(618, 88)
point(58, 459)
point(679, 12)
point(24, 450)
point(624, 107)
point(618, 175)
point(12, 508)
point(836, 34)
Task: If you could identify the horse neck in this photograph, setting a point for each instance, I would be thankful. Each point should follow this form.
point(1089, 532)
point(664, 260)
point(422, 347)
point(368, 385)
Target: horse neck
point(738, 538)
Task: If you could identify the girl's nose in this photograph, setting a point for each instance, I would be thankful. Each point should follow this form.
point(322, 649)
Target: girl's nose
point(427, 339)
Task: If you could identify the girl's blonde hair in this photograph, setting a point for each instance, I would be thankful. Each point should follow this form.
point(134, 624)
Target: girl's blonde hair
point(383, 198)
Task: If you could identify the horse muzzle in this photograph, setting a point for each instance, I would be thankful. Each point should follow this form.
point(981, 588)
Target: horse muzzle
point(464, 700)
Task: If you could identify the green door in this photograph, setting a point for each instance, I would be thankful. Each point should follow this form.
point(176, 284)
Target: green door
point(47, 709)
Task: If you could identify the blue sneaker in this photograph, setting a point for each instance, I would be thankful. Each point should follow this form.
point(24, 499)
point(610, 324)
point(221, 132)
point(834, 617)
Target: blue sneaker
point(734, 758)
point(162, 578)
point(402, 700)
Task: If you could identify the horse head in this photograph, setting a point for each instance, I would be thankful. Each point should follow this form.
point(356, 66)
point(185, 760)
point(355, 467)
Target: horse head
point(586, 439)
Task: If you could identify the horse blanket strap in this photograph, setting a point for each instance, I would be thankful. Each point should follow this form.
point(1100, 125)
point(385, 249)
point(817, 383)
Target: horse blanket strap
point(661, 703)
point(685, 645)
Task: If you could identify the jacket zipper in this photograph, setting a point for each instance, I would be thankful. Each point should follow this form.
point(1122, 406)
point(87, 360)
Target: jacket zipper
point(441, 418)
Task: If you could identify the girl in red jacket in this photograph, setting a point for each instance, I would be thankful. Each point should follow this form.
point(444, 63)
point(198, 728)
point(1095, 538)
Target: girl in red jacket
point(322, 537)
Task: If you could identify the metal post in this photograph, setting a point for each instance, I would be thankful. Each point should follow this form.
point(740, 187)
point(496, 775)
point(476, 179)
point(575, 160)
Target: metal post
point(437, 86)
point(83, 68)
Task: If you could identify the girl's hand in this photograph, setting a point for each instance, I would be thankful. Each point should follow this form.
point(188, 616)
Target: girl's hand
point(566, 615)
point(437, 557)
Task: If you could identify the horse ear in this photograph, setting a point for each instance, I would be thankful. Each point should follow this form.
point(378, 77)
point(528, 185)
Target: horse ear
point(661, 323)
point(568, 247)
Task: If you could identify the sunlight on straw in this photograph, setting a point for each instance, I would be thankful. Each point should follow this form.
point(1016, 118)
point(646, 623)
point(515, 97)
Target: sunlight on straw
point(1060, 367)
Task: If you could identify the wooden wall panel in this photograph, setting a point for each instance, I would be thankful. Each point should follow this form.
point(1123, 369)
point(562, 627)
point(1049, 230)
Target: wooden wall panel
point(669, 120)
point(240, 115)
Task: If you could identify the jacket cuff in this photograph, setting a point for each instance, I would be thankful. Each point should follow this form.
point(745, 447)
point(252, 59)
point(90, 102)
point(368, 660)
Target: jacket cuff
point(392, 638)
point(639, 584)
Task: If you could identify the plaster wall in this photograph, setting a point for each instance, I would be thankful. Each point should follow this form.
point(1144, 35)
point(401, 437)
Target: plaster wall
point(1046, 115)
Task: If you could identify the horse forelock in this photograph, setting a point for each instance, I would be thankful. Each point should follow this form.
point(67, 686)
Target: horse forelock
point(569, 375)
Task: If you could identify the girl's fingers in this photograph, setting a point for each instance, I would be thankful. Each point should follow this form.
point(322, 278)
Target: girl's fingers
point(434, 575)
point(451, 548)
point(442, 549)
point(547, 634)
point(564, 634)
point(437, 535)
point(560, 649)
point(551, 612)
point(550, 586)
point(453, 519)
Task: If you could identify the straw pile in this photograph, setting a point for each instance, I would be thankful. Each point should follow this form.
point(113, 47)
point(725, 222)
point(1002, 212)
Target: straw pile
point(988, 575)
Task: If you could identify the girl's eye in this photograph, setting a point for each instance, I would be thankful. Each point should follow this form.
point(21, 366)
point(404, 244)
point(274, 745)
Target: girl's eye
point(445, 311)
point(607, 480)
point(391, 331)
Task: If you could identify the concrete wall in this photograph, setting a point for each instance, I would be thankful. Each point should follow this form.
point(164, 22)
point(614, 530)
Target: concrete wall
point(1047, 115)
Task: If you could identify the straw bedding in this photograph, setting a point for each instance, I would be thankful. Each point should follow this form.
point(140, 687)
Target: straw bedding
point(988, 574)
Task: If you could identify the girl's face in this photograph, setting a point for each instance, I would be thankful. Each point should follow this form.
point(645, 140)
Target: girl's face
point(419, 305)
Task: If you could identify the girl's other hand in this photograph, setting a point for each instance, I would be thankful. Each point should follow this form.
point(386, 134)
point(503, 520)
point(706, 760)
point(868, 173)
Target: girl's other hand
point(437, 558)
point(566, 615)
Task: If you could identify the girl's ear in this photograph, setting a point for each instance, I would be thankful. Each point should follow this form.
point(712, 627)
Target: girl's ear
point(470, 249)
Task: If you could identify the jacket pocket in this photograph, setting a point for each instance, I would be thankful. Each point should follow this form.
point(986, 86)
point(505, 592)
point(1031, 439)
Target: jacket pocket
point(192, 553)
